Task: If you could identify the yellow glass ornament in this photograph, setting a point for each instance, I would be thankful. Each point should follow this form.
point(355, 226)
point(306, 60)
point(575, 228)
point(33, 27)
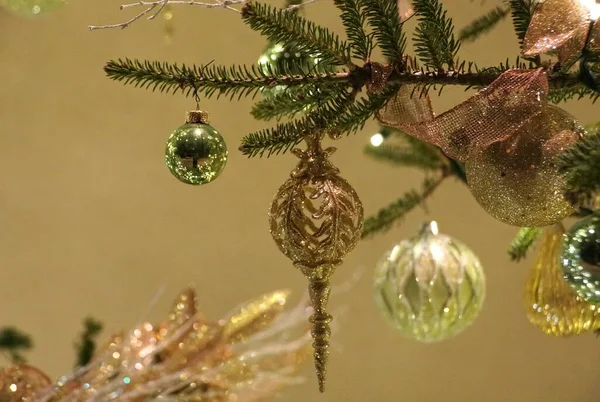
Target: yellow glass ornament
point(516, 180)
point(550, 304)
point(316, 219)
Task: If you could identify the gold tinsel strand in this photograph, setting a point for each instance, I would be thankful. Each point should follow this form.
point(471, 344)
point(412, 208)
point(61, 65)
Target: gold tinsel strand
point(316, 219)
point(245, 356)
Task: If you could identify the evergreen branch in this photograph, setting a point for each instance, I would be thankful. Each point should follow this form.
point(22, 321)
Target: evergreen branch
point(383, 17)
point(483, 24)
point(521, 12)
point(558, 95)
point(278, 139)
point(14, 342)
point(434, 35)
point(354, 116)
point(208, 79)
point(286, 135)
point(87, 345)
point(297, 33)
point(403, 156)
point(338, 113)
point(393, 213)
point(354, 20)
point(288, 102)
point(523, 240)
point(247, 81)
point(581, 164)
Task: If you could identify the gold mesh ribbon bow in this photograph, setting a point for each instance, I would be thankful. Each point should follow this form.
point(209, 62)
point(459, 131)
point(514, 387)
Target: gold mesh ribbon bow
point(491, 115)
point(563, 25)
point(507, 136)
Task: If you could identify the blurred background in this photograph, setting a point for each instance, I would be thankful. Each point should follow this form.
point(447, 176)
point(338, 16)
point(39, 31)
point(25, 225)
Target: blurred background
point(93, 223)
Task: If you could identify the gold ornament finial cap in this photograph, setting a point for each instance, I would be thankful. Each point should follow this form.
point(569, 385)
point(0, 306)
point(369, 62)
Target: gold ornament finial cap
point(196, 117)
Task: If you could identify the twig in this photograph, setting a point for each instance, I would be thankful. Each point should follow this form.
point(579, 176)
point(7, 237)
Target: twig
point(161, 4)
point(153, 16)
point(125, 24)
point(304, 3)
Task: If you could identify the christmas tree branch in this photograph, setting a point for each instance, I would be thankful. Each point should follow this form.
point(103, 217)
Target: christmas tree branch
point(383, 18)
point(14, 342)
point(87, 345)
point(395, 212)
point(289, 101)
point(483, 24)
point(521, 13)
point(523, 240)
point(208, 79)
point(354, 21)
point(434, 35)
point(581, 164)
point(404, 156)
point(247, 81)
point(296, 33)
point(341, 113)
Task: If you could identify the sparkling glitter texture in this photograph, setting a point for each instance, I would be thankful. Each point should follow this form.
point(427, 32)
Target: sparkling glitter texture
point(316, 218)
point(581, 258)
point(249, 354)
point(507, 135)
point(515, 180)
point(32, 8)
point(21, 383)
point(196, 153)
point(563, 25)
point(430, 287)
point(550, 304)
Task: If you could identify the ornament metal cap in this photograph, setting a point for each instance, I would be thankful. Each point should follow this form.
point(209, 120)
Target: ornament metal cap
point(196, 117)
point(429, 229)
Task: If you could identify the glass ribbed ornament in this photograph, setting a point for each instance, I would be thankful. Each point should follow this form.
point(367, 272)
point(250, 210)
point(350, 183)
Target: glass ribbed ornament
point(430, 287)
point(550, 304)
point(581, 258)
point(32, 8)
point(196, 153)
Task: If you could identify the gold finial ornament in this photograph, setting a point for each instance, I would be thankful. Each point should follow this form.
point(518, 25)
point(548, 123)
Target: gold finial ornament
point(316, 219)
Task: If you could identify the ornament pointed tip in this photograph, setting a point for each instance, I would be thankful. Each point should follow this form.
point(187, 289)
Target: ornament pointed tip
point(321, 385)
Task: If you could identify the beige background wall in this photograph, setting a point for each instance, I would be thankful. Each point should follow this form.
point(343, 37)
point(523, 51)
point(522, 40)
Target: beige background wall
point(91, 221)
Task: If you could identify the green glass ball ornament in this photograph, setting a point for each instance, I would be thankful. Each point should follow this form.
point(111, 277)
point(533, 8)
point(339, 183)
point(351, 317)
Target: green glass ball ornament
point(430, 287)
point(196, 153)
point(32, 8)
point(581, 258)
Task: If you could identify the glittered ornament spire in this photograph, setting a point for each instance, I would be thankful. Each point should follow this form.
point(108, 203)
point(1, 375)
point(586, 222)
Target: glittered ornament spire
point(316, 219)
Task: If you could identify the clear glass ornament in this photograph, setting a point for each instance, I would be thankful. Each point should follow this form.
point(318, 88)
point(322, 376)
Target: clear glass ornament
point(550, 304)
point(430, 287)
point(196, 153)
point(581, 258)
point(32, 8)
